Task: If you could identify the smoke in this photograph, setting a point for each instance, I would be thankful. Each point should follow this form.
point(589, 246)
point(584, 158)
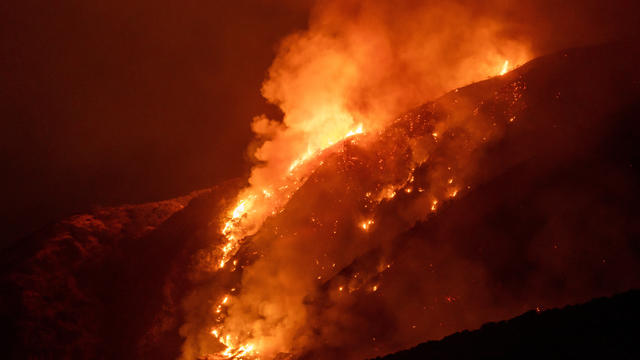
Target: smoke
point(358, 65)
point(363, 63)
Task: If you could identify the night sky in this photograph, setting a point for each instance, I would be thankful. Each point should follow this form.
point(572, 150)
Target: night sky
point(115, 102)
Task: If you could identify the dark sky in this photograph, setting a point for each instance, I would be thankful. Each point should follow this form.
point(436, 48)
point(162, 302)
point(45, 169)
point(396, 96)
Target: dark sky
point(108, 102)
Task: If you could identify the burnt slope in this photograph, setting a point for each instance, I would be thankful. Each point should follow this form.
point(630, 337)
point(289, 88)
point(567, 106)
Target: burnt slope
point(605, 328)
point(549, 218)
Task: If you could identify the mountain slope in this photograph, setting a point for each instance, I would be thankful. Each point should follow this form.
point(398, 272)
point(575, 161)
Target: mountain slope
point(603, 328)
point(540, 211)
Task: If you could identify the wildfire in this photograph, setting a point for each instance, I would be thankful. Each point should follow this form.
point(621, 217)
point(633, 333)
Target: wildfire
point(505, 68)
point(233, 351)
point(319, 84)
point(366, 224)
point(255, 204)
point(299, 161)
point(250, 210)
point(358, 130)
point(235, 228)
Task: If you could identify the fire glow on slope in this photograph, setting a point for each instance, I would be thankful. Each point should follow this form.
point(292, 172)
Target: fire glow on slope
point(505, 68)
point(238, 346)
point(343, 75)
point(247, 217)
point(253, 207)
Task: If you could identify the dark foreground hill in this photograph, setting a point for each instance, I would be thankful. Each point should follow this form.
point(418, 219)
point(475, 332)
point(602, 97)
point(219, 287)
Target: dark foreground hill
point(604, 328)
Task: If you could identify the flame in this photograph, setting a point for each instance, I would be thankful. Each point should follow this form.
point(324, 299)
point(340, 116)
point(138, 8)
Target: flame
point(234, 351)
point(244, 218)
point(246, 211)
point(366, 224)
point(326, 81)
point(358, 130)
point(505, 68)
point(236, 214)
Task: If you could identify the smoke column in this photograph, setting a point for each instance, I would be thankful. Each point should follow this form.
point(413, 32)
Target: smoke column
point(357, 66)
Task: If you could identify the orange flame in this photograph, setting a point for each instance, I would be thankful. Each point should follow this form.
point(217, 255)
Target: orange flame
point(505, 68)
point(326, 81)
point(253, 207)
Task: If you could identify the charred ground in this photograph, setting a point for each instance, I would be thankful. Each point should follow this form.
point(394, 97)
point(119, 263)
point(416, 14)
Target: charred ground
point(603, 328)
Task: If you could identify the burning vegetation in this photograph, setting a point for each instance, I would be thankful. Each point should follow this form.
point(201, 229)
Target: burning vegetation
point(360, 231)
point(379, 170)
point(337, 181)
point(303, 277)
point(333, 85)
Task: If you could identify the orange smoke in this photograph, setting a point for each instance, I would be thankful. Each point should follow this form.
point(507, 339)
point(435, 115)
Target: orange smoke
point(357, 66)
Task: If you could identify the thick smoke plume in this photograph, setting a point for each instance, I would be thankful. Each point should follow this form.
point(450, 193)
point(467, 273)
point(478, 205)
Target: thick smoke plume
point(363, 63)
point(357, 67)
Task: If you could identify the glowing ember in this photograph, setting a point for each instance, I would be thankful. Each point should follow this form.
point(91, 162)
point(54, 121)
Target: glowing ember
point(366, 224)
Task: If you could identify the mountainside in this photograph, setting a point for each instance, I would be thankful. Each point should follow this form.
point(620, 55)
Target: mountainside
point(603, 327)
point(515, 193)
point(68, 287)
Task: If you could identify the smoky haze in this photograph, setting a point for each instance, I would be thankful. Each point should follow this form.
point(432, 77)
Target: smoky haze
point(106, 102)
point(362, 63)
point(110, 102)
